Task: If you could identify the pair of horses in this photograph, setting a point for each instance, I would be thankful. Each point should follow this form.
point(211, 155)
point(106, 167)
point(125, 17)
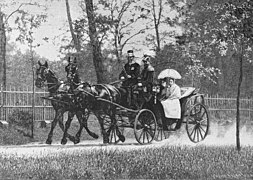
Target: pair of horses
point(81, 103)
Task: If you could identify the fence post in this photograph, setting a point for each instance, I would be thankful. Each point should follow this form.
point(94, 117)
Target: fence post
point(1, 111)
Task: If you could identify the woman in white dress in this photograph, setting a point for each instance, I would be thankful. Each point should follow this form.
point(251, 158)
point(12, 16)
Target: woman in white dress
point(171, 103)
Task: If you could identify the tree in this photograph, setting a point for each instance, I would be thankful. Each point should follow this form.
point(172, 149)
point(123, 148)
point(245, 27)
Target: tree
point(228, 25)
point(238, 32)
point(122, 20)
point(75, 38)
point(100, 68)
point(163, 20)
point(4, 18)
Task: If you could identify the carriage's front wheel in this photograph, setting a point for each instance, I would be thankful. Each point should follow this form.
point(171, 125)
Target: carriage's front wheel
point(145, 126)
point(114, 129)
point(161, 134)
point(197, 124)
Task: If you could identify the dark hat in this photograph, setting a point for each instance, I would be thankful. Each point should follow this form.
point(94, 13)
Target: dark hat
point(130, 53)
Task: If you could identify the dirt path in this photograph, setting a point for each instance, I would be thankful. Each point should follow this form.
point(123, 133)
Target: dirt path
point(42, 149)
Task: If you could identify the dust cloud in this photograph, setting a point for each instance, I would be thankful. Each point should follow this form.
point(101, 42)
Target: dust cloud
point(218, 136)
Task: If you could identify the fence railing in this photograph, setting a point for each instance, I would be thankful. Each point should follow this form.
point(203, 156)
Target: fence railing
point(21, 98)
point(225, 107)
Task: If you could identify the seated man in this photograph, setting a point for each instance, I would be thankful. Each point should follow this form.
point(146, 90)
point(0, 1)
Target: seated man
point(147, 74)
point(131, 71)
point(171, 103)
point(129, 75)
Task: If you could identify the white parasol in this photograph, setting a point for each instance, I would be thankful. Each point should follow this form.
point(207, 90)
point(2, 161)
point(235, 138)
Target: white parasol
point(171, 73)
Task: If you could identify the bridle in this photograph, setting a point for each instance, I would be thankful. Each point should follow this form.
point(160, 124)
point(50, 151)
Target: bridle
point(42, 74)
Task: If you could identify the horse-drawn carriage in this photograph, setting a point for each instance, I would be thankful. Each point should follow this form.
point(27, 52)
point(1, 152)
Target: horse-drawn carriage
point(146, 117)
point(149, 121)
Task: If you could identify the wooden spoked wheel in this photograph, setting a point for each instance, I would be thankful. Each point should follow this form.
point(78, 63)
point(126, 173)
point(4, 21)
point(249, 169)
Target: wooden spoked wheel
point(197, 124)
point(145, 126)
point(160, 133)
point(113, 128)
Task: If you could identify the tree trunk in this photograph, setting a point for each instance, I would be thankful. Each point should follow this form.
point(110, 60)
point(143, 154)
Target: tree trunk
point(76, 41)
point(238, 146)
point(2, 51)
point(157, 38)
point(94, 41)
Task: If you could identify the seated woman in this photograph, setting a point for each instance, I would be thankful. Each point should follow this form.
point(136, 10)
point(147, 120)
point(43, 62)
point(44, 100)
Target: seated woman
point(171, 103)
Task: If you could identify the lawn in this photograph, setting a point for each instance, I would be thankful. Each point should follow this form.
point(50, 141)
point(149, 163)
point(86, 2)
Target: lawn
point(164, 162)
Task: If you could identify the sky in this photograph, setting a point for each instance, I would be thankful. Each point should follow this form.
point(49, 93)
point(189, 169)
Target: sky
point(55, 26)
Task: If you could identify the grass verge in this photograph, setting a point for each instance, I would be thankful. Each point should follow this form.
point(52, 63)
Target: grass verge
point(166, 162)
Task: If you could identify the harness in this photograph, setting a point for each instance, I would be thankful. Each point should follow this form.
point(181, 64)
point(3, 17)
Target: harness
point(107, 90)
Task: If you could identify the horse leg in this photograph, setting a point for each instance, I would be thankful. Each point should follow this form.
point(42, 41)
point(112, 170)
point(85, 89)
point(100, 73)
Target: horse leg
point(83, 118)
point(53, 124)
point(67, 125)
point(114, 121)
point(103, 131)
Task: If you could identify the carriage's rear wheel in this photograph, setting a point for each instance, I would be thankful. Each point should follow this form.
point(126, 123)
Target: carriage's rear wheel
point(145, 126)
point(113, 129)
point(197, 124)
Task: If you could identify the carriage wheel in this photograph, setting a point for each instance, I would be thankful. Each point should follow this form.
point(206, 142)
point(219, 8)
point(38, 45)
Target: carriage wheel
point(113, 128)
point(160, 133)
point(145, 126)
point(197, 124)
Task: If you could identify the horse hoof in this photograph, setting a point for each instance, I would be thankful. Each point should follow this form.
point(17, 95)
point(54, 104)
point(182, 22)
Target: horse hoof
point(106, 141)
point(122, 138)
point(71, 138)
point(95, 136)
point(63, 141)
point(76, 141)
point(48, 141)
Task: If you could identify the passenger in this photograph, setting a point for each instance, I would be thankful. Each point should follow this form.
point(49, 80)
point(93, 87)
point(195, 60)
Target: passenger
point(147, 74)
point(171, 103)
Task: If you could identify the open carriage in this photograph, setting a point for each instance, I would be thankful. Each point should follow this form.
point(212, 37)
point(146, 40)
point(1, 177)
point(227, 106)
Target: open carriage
point(194, 114)
point(148, 120)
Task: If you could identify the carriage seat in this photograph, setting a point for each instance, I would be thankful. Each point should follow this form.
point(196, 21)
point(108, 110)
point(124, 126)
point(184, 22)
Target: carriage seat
point(186, 91)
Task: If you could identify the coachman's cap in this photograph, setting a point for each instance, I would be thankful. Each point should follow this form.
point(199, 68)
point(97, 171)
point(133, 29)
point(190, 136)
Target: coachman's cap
point(130, 53)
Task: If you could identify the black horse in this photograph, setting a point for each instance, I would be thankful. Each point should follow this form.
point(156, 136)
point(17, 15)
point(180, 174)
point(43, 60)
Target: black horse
point(102, 100)
point(62, 103)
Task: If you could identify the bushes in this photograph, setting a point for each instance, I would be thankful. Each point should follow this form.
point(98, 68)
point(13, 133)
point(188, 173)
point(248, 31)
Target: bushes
point(10, 136)
point(19, 123)
point(20, 118)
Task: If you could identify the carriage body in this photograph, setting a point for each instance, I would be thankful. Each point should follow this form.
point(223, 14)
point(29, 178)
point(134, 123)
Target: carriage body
point(147, 116)
point(194, 114)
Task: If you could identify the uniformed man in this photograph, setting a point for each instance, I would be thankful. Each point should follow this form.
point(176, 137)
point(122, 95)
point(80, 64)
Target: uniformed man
point(130, 75)
point(131, 71)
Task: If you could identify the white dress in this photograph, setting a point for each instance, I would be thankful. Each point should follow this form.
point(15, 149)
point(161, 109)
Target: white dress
point(171, 105)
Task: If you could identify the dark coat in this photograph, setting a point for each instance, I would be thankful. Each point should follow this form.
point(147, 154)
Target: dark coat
point(147, 77)
point(134, 71)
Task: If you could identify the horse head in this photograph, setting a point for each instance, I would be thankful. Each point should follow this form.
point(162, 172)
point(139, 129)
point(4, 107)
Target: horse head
point(43, 75)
